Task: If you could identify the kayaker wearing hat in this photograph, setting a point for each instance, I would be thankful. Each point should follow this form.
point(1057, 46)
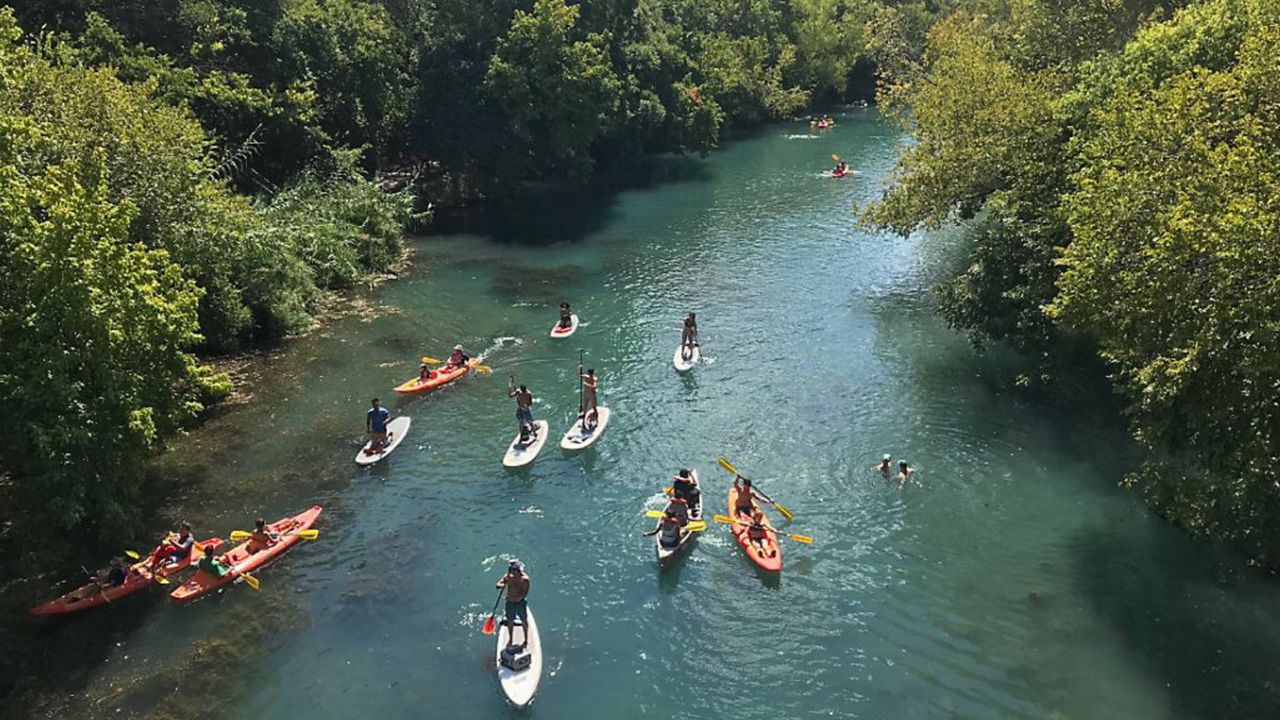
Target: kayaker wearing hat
point(885, 467)
point(516, 581)
point(457, 359)
point(589, 384)
point(566, 315)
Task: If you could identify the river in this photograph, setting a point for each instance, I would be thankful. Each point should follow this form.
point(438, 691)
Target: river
point(1011, 578)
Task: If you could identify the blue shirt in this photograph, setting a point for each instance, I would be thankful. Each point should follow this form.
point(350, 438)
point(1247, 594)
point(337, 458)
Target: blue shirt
point(378, 418)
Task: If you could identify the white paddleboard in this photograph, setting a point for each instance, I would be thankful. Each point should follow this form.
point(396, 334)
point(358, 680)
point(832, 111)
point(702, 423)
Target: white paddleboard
point(520, 685)
point(683, 364)
point(559, 332)
point(518, 455)
point(396, 431)
point(579, 438)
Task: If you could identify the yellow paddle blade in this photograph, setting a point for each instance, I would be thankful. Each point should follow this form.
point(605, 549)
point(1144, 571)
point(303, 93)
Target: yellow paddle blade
point(239, 535)
point(669, 491)
point(653, 513)
point(802, 539)
point(835, 157)
point(251, 581)
point(431, 360)
point(728, 466)
point(484, 369)
point(785, 512)
point(132, 554)
point(725, 519)
point(308, 534)
point(160, 579)
point(696, 526)
point(199, 548)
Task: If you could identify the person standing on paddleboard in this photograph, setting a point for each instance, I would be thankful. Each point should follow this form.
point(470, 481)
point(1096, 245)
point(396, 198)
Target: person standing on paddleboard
point(524, 409)
point(566, 315)
point(689, 335)
point(516, 582)
point(375, 423)
point(589, 385)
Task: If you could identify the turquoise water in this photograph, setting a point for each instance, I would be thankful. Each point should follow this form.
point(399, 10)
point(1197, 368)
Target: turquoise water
point(1012, 578)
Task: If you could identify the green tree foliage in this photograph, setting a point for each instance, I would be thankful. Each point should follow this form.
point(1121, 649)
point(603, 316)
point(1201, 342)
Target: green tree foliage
point(1119, 159)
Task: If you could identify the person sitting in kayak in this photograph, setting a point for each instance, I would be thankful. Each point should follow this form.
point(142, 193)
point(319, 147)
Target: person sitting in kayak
point(757, 533)
point(841, 168)
point(589, 385)
point(516, 581)
point(457, 359)
point(689, 336)
point(261, 538)
point(524, 411)
point(210, 564)
point(424, 372)
point(116, 574)
point(375, 424)
point(684, 486)
point(175, 548)
point(885, 467)
point(905, 472)
point(747, 496)
point(566, 316)
point(669, 525)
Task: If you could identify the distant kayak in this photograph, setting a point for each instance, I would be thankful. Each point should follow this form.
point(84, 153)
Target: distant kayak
point(836, 175)
point(685, 364)
point(580, 437)
point(138, 577)
point(241, 561)
point(396, 431)
point(564, 332)
point(521, 685)
point(436, 378)
point(519, 455)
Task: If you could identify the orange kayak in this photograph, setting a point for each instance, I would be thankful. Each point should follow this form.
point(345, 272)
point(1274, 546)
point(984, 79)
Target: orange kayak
point(241, 561)
point(770, 557)
point(436, 378)
point(138, 577)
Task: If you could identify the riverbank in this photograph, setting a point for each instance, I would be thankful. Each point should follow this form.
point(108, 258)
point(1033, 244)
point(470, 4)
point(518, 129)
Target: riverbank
point(1013, 578)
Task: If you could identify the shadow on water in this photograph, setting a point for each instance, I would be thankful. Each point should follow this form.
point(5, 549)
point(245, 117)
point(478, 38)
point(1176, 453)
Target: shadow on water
point(1192, 618)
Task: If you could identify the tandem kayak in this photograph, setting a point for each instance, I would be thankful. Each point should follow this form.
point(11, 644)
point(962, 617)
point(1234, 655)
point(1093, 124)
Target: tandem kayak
point(519, 455)
point(521, 685)
point(241, 561)
point(768, 559)
point(436, 378)
point(396, 431)
point(667, 555)
point(685, 364)
point(564, 332)
point(580, 437)
point(139, 577)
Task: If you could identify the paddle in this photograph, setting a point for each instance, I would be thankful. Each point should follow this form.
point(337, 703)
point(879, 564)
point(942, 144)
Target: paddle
point(430, 360)
point(484, 369)
point(728, 466)
point(492, 623)
point(251, 581)
point(798, 538)
point(835, 157)
point(239, 535)
point(692, 526)
point(581, 407)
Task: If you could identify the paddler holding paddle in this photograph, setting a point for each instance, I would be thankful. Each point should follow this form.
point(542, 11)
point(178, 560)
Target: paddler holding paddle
point(589, 385)
point(375, 424)
point(516, 583)
point(689, 335)
point(524, 410)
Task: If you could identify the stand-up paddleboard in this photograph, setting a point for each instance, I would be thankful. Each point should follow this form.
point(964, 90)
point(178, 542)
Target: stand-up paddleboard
point(520, 685)
point(518, 455)
point(396, 431)
point(563, 332)
point(580, 437)
point(685, 364)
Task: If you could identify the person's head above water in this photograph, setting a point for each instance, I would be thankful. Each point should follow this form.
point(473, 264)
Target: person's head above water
point(902, 464)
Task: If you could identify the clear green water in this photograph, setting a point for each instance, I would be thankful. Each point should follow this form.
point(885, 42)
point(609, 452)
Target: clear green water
point(1013, 580)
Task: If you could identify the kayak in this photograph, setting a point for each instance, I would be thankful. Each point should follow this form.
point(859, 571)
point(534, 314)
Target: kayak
point(769, 560)
point(242, 561)
point(396, 431)
point(559, 332)
point(667, 556)
point(836, 175)
point(518, 455)
point(520, 685)
point(579, 437)
point(436, 378)
point(683, 364)
point(139, 577)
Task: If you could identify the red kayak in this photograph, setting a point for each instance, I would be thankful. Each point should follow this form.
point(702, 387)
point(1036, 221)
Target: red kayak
point(442, 375)
point(770, 557)
point(241, 561)
point(139, 576)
